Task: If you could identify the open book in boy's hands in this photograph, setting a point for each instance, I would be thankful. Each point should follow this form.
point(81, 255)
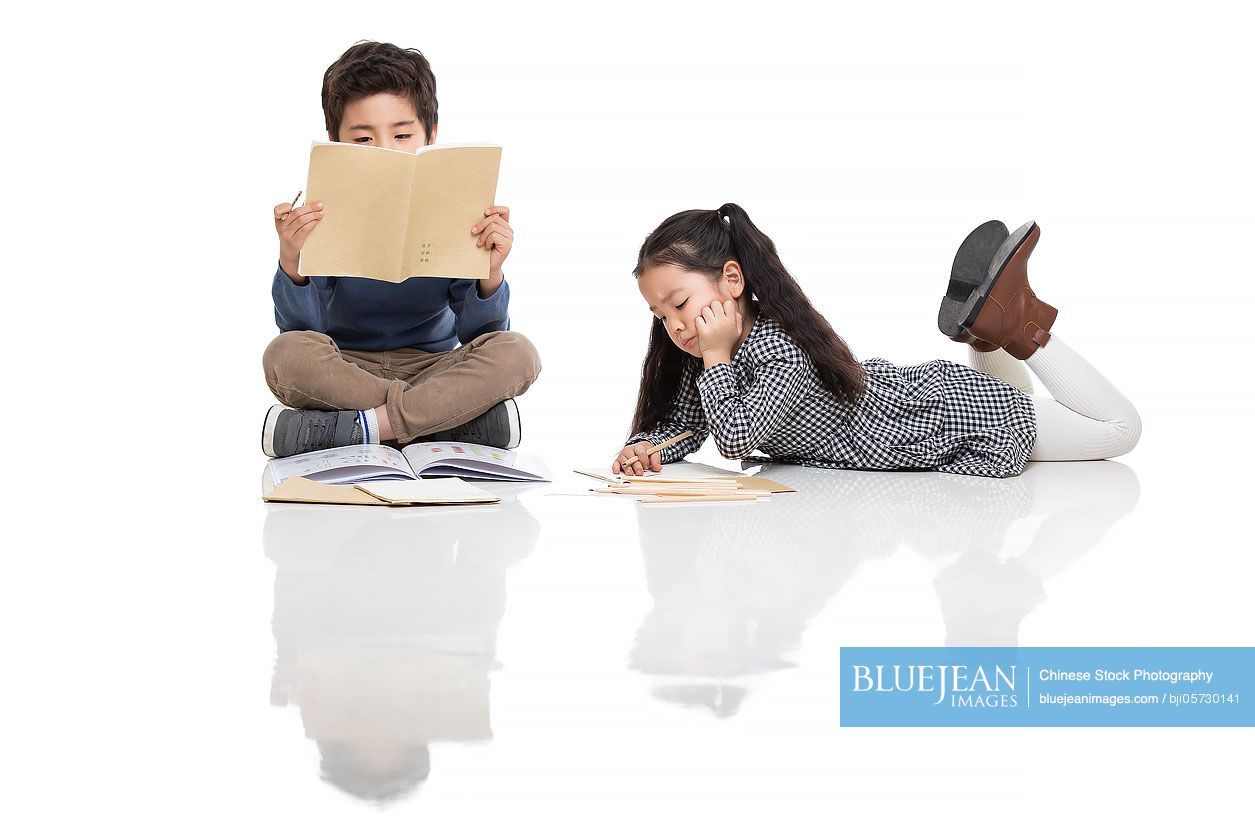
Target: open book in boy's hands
point(391, 214)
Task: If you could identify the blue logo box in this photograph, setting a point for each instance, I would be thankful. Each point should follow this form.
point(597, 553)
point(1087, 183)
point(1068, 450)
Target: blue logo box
point(1011, 686)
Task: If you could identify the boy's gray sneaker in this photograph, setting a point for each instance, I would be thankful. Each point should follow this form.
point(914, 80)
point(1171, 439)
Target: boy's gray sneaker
point(287, 432)
point(497, 428)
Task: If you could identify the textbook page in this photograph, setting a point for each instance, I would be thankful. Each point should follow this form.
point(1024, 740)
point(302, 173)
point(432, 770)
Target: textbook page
point(460, 459)
point(339, 466)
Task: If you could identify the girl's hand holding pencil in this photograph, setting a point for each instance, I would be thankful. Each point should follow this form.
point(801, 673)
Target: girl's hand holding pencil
point(641, 459)
point(633, 459)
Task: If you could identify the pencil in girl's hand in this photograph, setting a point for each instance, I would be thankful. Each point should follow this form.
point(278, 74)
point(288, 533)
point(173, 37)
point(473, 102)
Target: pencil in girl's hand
point(293, 202)
point(668, 443)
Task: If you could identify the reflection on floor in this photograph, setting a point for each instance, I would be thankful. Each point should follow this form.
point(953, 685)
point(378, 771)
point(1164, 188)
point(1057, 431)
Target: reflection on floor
point(384, 648)
point(386, 620)
point(734, 586)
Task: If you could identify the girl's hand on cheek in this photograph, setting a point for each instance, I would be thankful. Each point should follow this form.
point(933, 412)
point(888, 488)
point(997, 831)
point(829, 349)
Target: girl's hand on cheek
point(718, 329)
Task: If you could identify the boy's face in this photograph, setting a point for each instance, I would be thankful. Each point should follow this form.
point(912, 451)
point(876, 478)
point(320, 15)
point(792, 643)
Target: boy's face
point(677, 296)
point(385, 120)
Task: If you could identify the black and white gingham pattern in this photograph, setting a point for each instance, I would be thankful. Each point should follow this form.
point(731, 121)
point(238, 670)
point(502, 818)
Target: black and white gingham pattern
point(938, 415)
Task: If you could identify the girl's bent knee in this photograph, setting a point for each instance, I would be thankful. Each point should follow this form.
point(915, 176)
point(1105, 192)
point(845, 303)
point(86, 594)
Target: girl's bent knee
point(1129, 432)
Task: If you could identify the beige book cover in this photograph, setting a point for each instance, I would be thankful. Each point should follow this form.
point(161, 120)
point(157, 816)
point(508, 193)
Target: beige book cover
point(391, 215)
point(436, 492)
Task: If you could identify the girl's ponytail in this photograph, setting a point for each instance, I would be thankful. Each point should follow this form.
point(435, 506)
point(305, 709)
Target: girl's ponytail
point(781, 298)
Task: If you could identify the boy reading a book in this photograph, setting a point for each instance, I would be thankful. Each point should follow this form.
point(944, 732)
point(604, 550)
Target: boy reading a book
point(361, 361)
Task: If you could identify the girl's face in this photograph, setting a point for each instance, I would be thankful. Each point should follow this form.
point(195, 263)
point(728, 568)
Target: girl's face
point(677, 296)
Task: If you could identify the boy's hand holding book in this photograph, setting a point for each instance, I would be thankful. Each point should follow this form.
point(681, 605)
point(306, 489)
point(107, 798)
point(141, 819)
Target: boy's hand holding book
point(495, 233)
point(294, 224)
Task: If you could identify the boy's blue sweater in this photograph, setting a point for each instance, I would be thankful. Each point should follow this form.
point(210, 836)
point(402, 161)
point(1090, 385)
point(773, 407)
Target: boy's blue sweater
point(433, 315)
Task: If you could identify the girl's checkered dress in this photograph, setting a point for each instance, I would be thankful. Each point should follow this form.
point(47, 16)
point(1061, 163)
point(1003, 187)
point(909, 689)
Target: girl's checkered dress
point(939, 415)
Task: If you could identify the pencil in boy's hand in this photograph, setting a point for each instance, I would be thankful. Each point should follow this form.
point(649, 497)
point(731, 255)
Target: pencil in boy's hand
point(292, 203)
point(668, 443)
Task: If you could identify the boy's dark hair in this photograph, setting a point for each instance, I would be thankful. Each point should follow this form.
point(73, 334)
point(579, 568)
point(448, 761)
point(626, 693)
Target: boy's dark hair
point(701, 240)
point(369, 67)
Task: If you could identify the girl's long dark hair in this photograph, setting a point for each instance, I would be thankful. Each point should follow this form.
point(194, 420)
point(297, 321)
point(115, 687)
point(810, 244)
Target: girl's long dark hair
point(701, 240)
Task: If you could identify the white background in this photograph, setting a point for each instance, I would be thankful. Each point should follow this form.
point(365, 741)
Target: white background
point(145, 147)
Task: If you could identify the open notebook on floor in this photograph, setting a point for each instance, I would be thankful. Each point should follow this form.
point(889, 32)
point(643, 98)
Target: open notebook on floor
point(364, 464)
point(685, 471)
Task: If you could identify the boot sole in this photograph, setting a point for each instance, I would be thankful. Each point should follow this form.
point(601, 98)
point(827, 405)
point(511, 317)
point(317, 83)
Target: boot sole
point(970, 268)
point(516, 426)
point(970, 310)
point(268, 430)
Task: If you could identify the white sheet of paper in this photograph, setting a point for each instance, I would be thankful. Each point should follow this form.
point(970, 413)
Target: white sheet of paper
point(427, 491)
point(674, 471)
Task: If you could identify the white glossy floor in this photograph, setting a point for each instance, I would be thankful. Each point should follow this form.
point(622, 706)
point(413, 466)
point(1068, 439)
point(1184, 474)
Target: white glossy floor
point(597, 665)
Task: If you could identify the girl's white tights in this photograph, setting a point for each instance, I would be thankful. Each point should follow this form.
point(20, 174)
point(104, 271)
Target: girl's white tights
point(1088, 418)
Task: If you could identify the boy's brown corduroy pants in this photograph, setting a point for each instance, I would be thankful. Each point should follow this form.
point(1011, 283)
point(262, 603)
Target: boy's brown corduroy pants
point(424, 392)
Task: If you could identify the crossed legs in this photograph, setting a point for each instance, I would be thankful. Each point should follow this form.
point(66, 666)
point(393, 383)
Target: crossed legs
point(413, 393)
